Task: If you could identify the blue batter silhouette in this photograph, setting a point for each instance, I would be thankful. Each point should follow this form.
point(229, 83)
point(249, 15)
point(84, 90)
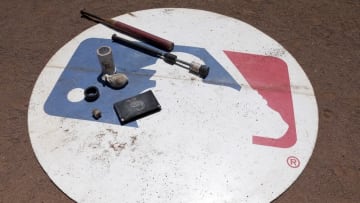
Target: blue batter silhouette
point(83, 71)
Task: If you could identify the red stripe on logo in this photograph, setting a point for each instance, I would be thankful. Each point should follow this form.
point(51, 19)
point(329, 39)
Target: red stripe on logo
point(270, 77)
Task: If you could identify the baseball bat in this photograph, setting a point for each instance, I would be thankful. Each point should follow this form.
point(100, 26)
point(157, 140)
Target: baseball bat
point(193, 67)
point(131, 31)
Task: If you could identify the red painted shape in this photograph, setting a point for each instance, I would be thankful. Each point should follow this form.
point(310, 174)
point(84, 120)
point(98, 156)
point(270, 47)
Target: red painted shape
point(269, 76)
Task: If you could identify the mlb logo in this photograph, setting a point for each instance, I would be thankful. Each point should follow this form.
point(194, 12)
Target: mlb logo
point(266, 74)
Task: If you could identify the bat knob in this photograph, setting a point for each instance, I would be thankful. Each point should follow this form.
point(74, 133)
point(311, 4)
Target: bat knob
point(198, 69)
point(204, 71)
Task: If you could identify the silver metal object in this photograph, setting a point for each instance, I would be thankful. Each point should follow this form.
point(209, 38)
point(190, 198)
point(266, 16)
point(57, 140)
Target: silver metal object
point(105, 57)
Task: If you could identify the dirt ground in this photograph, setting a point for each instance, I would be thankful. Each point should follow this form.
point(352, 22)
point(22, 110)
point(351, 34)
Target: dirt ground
point(324, 37)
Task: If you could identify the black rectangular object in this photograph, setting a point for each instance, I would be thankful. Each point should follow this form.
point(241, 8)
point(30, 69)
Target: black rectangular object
point(136, 107)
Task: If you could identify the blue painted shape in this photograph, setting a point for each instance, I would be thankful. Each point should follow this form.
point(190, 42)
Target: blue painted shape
point(83, 71)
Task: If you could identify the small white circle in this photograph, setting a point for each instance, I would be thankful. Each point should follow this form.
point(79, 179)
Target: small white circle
point(75, 95)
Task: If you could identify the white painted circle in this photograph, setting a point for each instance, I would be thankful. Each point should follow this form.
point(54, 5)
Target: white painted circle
point(224, 139)
point(75, 95)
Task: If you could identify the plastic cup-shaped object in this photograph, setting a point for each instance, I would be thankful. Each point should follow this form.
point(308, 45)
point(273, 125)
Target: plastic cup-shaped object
point(106, 60)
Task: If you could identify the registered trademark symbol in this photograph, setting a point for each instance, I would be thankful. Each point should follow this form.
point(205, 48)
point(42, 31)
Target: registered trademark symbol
point(293, 162)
